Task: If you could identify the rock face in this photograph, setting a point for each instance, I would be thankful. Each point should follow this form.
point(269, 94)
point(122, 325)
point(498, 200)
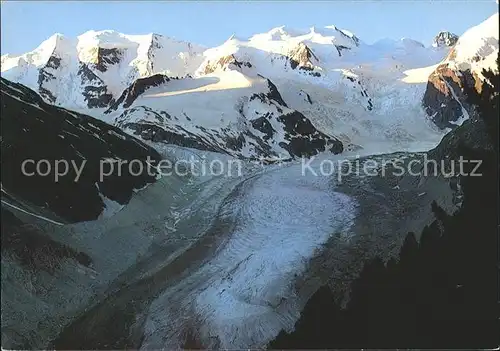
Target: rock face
point(305, 139)
point(273, 93)
point(107, 58)
point(301, 57)
point(444, 98)
point(476, 50)
point(34, 130)
point(136, 89)
point(48, 74)
point(445, 39)
point(95, 91)
point(262, 124)
point(365, 98)
point(282, 50)
point(224, 63)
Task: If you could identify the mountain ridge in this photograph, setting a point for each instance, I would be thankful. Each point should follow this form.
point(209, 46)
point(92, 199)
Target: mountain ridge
point(117, 60)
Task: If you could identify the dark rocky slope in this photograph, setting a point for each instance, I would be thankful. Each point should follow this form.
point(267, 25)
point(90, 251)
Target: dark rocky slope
point(35, 250)
point(441, 291)
point(130, 94)
point(35, 130)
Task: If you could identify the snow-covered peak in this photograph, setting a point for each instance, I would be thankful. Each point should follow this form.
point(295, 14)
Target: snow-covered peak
point(405, 43)
point(57, 44)
point(98, 65)
point(93, 69)
point(333, 31)
point(320, 35)
point(316, 53)
point(114, 39)
point(410, 43)
point(278, 33)
point(281, 49)
point(111, 39)
point(143, 46)
point(328, 34)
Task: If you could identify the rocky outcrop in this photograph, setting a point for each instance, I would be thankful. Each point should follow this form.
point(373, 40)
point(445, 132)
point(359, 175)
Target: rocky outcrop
point(348, 35)
point(304, 139)
point(365, 99)
point(155, 45)
point(301, 57)
point(107, 57)
point(306, 96)
point(341, 48)
point(472, 54)
point(301, 138)
point(478, 134)
point(47, 78)
point(445, 39)
point(224, 63)
point(136, 89)
point(35, 131)
point(162, 134)
point(273, 93)
point(264, 126)
point(95, 91)
point(444, 99)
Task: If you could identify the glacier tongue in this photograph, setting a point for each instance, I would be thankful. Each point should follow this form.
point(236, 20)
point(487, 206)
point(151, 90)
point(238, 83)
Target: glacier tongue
point(244, 293)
